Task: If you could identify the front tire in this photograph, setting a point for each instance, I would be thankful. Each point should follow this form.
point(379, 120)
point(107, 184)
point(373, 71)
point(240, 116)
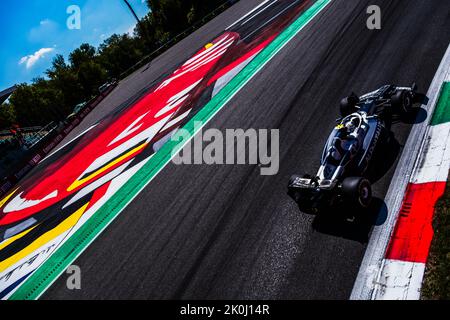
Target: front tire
point(359, 190)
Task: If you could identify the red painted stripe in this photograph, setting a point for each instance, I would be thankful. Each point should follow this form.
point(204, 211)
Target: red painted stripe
point(413, 232)
point(240, 60)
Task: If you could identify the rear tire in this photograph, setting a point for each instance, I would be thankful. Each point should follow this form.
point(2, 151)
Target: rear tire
point(358, 189)
point(347, 106)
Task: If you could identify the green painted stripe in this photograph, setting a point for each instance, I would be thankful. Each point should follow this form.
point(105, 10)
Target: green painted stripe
point(51, 269)
point(442, 112)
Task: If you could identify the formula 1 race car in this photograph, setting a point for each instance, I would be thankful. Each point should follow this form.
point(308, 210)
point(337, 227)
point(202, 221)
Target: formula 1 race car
point(365, 125)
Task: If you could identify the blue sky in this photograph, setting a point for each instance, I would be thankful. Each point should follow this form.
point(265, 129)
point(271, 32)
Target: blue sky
point(32, 32)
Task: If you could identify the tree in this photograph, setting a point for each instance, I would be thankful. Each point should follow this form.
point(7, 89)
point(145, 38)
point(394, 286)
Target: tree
point(65, 80)
point(89, 72)
point(145, 32)
point(168, 18)
point(83, 54)
point(118, 53)
point(7, 116)
point(77, 80)
point(91, 75)
point(37, 104)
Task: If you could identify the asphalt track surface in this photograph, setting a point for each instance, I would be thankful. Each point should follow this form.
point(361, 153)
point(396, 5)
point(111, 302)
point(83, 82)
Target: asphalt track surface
point(226, 232)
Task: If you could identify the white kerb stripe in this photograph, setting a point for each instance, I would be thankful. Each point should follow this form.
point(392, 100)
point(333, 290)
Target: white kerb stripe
point(434, 162)
point(400, 280)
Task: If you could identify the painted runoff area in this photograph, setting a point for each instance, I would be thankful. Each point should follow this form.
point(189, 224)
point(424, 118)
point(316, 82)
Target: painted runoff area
point(55, 265)
point(400, 271)
point(72, 184)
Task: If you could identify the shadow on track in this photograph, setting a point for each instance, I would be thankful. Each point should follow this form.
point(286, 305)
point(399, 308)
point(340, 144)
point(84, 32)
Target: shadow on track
point(386, 156)
point(350, 222)
point(383, 160)
point(417, 116)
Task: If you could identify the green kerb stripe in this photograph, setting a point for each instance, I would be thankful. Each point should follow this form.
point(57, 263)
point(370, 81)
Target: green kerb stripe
point(442, 111)
point(44, 276)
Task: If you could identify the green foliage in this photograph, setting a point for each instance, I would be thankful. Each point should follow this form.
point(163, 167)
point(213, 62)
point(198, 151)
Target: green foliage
point(38, 103)
point(191, 15)
point(64, 79)
point(437, 276)
point(170, 17)
point(77, 80)
point(85, 65)
point(7, 115)
point(118, 53)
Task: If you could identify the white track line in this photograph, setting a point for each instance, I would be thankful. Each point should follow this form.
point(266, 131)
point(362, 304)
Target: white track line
point(260, 11)
point(249, 13)
point(66, 144)
point(270, 20)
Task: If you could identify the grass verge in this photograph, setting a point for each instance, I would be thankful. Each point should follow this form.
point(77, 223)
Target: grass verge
point(436, 285)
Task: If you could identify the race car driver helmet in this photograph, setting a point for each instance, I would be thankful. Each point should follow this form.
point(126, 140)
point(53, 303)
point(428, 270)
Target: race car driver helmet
point(350, 126)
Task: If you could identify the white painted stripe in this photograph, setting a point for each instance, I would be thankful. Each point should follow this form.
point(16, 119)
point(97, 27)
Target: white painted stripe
point(216, 52)
point(270, 20)
point(249, 13)
point(96, 184)
point(209, 59)
point(145, 135)
point(400, 280)
point(259, 12)
point(222, 81)
point(32, 262)
point(130, 129)
point(434, 161)
point(182, 71)
point(176, 120)
point(364, 287)
point(84, 132)
point(18, 203)
point(225, 41)
point(177, 99)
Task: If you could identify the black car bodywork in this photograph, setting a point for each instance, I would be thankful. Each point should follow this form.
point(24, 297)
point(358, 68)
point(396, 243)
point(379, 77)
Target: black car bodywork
point(343, 178)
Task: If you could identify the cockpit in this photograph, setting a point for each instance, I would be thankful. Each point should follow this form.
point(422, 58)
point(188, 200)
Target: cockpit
point(345, 140)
